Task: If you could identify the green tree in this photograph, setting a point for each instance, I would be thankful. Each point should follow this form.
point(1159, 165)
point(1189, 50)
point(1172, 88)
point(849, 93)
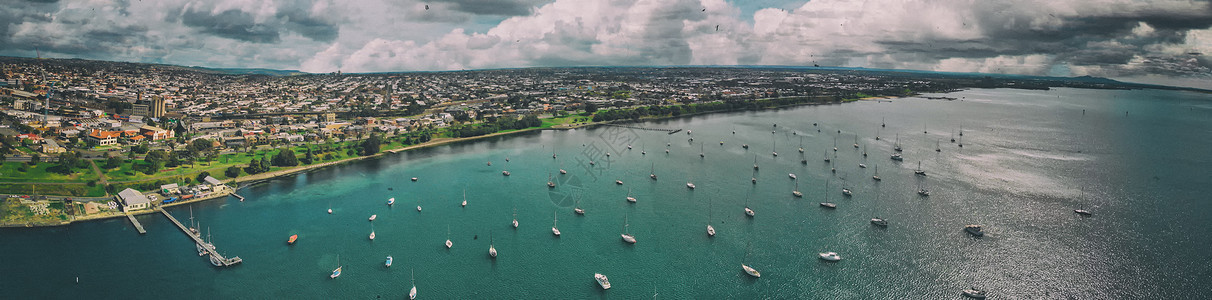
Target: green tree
point(34, 159)
point(591, 108)
point(202, 176)
point(113, 162)
point(286, 158)
point(232, 172)
point(371, 145)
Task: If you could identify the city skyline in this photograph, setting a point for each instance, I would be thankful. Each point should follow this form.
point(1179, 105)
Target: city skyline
point(1159, 42)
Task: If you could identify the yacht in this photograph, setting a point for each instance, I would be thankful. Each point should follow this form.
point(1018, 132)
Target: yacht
point(652, 172)
point(846, 191)
point(448, 243)
point(391, 201)
point(879, 222)
point(974, 230)
point(827, 204)
point(827, 156)
point(792, 175)
point(1082, 210)
point(897, 145)
point(796, 192)
point(877, 174)
point(412, 293)
point(554, 228)
point(602, 281)
point(830, 256)
point(515, 218)
point(629, 197)
point(578, 209)
point(550, 184)
point(388, 263)
point(750, 270)
point(336, 273)
point(464, 198)
point(748, 212)
point(755, 165)
point(801, 145)
point(690, 185)
point(618, 182)
point(864, 166)
point(627, 237)
point(372, 235)
point(710, 230)
point(701, 150)
point(492, 250)
point(856, 146)
point(919, 170)
point(835, 144)
point(974, 293)
point(897, 157)
point(563, 172)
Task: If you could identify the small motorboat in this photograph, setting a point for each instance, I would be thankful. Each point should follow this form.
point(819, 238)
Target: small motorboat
point(602, 281)
point(830, 256)
point(974, 230)
point(388, 263)
point(414, 179)
point(974, 293)
point(372, 217)
point(879, 222)
point(391, 201)
point(292, 239)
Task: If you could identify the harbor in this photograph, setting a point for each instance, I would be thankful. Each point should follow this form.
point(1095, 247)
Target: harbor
point(922, 250)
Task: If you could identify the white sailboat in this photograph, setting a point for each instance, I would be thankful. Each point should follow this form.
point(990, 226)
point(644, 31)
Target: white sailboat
point(550, 184)
point(876, 177)
point(464, 198)
point(629, 197)
point(555, 229)
point(412, 294)
point(1082, 210)
point(897, 146)
point(748, 212)
point(492, 249)
point(749, 270)
point(515, 218)
point(372, 231)
point(856, 146)
point(448, 243)
point(578, 209)
point(801, 144)
point(827, 204)
point(919, 170)
point(337, 272)
point(796, 192)
point(710, 230)
point(627, 237)
point(652, 172)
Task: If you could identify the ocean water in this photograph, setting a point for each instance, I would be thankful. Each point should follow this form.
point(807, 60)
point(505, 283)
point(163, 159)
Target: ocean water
point(1137, 159)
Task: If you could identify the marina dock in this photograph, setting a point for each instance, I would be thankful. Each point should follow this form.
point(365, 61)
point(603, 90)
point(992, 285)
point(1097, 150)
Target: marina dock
point(215, 258)
point(237, 196)
point(138, 226)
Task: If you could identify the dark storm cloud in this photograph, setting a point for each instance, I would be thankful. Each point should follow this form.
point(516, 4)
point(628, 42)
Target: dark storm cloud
point(494, 7)
point(232, 24)
point(316, 29)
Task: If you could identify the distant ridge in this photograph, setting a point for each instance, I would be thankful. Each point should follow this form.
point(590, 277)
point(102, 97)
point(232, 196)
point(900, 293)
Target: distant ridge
point(250, 71)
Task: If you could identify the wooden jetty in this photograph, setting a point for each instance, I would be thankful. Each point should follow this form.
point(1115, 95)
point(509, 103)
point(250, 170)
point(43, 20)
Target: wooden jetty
point(215, 258)
point(138, 226)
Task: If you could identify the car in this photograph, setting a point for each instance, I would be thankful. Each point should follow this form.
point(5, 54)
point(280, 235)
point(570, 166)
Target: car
point(24, 196)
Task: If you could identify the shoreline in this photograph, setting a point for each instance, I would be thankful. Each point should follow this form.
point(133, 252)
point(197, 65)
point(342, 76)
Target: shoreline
point(263, 177)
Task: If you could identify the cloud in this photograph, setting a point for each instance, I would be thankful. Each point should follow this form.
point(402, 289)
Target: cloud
point(1112, 38)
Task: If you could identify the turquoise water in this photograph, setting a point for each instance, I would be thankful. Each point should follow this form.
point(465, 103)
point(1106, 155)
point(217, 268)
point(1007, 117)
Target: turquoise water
point(1027, 157)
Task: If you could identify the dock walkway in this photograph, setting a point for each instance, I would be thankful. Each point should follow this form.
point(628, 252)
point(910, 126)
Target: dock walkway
point(138, 226)
point(217, 259)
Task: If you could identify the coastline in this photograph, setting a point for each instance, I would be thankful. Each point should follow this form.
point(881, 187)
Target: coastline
point(257, 178)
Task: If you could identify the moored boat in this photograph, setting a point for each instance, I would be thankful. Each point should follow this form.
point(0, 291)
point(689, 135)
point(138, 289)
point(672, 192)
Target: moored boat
point(602, 281)
point(292, 239)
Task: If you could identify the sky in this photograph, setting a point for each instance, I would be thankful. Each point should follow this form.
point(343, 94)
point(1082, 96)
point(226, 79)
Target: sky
point(1150, 41)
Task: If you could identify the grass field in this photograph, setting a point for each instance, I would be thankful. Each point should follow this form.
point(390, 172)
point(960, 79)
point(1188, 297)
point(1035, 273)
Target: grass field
point(10, 172)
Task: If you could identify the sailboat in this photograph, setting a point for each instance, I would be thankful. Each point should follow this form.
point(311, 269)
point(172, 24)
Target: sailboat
point(448, 243)
point(749, 270)
point(710, 230)
point(492, 249)
point(938, 148)
point(652, 172)
point(748, 212)
point(690, 183)
point(755, 165)
point(464, 198)
point(801, 144)
point(629, 197)
point(846, 190)
point(701, 150)
point(372, 231)
point(827, 156)
point(877, 173)
point(835, 144)
point(882, 124)
point(924, 128)
point(578, 209)
point(774, 147)
point(418, 204)
point(550, 184)
point(412, 294)
point(856, 146)
point(897, 146)
point(506, 171)
point(515, 217)
point(555, 229)
point(562, 172)
point(797, 192)
point(1082, 211)
point(922, 191)
point(877, 133)
point(827, 204)
point(627, 237)
point(877, 221)
point(336, 273)
point(372, 217)
point(919, 170)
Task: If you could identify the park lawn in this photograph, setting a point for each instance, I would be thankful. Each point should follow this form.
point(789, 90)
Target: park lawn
point(9, 173)
point(74, 190)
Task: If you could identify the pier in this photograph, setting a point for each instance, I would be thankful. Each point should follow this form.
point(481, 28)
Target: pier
point(237, 196)
point(215, 258)
point(138, 226)
point(670, 131)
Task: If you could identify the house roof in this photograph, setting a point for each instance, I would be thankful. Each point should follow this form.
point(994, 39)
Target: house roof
point(132, 197)
point(212, 180)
